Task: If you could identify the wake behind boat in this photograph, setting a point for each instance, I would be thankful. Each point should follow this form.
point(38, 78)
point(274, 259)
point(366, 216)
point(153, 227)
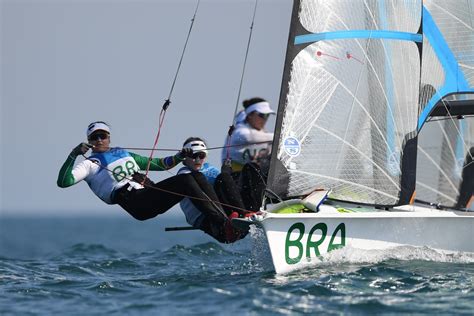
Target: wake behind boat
point(362, 83)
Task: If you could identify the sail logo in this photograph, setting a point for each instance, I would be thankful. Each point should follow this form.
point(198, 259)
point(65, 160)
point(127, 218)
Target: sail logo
point(292, 146)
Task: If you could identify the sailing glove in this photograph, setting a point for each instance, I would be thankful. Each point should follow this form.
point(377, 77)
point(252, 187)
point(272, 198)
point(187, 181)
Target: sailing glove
point(186, 152)
point(80, 149)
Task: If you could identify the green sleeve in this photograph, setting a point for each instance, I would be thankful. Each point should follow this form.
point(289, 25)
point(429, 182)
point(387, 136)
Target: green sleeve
point(65, 177)
point(157, 164)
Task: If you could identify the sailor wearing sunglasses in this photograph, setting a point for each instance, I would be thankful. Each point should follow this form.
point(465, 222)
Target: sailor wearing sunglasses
point(249, 152)
point(250, 142)
point(113, 175)
point(223, 186)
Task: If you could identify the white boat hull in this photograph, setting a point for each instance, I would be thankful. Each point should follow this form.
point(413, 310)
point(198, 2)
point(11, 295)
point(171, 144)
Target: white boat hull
point(296, 238)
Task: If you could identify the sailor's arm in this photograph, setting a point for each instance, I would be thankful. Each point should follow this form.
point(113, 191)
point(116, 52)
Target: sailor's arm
point(70, 175)
point(157, 164)
point(254, 136)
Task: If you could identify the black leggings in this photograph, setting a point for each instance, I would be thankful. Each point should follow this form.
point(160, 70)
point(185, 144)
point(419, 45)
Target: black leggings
point(156, 199)
point(252, 186)
point(228, 194)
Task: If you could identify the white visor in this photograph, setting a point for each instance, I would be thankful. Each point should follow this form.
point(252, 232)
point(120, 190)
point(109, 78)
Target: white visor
point(96, 126)
point(261, 107)
point(196, 146)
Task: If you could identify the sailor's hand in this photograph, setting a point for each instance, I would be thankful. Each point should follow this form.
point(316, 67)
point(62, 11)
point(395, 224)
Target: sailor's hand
point(80, 149)
point(227, 166)
point(263, 154)
point(186, 153)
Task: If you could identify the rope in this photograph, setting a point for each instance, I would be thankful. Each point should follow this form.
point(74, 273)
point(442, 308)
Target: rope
point(209, 148)
point(160, 124)
point(232, 127)
point(184, 49)
point(168, 101)
point(208, 199)
point(245, 59)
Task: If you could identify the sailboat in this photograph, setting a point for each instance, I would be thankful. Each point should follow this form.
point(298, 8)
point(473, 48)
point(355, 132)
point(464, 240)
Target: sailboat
point(368, 88)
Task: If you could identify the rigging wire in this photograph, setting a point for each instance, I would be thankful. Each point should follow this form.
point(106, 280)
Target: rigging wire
point(232, 127)
point(207, 199)
point(168, 101)
point(245, 59)
point(208, 148)
point(182, 54)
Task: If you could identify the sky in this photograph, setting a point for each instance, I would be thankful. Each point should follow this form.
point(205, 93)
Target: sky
point(66, 63)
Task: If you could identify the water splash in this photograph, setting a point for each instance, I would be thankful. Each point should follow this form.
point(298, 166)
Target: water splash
point(405, 253)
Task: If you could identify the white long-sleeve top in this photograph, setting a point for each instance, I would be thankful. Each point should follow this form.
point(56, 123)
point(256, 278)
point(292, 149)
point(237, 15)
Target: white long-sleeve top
point(243, 149)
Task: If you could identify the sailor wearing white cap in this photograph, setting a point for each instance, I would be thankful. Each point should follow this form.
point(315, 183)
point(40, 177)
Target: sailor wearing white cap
point(224, 187)
point(250, 141)
point(113, 175)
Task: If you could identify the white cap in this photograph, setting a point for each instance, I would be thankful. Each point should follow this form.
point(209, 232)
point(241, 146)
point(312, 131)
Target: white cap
point(96, 126)
point(196, 146)
point(261, 107)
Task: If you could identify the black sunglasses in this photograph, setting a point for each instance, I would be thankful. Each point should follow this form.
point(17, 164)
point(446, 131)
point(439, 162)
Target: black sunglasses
point(264, 116)
point(102, 136)
point(201, 155)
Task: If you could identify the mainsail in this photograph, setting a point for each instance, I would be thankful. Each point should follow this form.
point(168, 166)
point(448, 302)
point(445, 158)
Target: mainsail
point(443, 145)
point(348, 111)
point(448, 52)
point(447, 130)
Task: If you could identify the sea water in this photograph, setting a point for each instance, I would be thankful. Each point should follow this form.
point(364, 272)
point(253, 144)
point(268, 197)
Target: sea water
point(107, 265)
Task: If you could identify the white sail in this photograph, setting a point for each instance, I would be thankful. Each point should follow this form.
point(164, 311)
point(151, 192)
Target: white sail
point(447, 71)
point(363, 82)
point(352, 100)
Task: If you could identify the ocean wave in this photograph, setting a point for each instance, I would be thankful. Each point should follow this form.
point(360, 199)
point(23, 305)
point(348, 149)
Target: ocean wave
point(404, 253)
point(89, 250)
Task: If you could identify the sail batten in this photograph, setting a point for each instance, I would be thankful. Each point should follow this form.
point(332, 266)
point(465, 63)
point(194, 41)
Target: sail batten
point(403, 36)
